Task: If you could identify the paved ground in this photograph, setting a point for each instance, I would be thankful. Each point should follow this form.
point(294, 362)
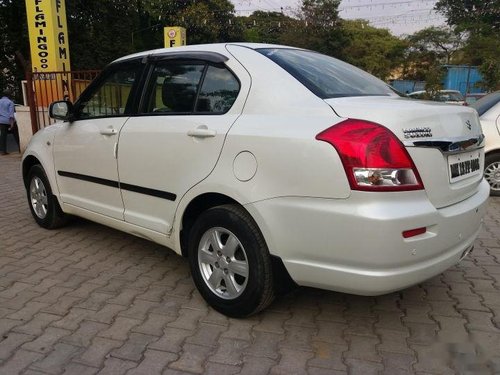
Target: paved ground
point(87, 299)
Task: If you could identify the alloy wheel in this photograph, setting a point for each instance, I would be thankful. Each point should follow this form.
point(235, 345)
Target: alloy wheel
point(492, 175)
point(38, 197)
point(223, 263)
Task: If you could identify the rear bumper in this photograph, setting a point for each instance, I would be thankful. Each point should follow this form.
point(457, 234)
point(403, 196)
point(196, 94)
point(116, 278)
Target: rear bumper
point(356, 245)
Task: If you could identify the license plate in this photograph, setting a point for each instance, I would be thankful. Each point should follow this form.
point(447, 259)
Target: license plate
point(465, 165)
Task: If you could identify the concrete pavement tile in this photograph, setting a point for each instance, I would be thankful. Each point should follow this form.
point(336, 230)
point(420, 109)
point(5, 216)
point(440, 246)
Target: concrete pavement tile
point(272, 322)
point(84, 335)
point(19, 361)
point(240, 329)
point(96, 353)
point(154, 324)
point(188, 319)
point(264, 345)
point(432, 358)
point(357, 366)
point(120, 329)
point(9, 343)
point(79, 369)
point(172, 340)
point(114, 366)
point(44, 343)
point(363, 348)
point(220, 369)
point(331, 332)
point(153, 363)
point(393, 341)
point(230, 352)
point(133, 348)
point(192, 358)
point(206, 335)
point(55, 362)
point(328, 356)
point(292, 362)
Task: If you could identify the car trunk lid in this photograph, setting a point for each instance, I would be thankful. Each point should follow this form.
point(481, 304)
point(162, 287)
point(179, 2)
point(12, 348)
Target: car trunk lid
point(444, 141)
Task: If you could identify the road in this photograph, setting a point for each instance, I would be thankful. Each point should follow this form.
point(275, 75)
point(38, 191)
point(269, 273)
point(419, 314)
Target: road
point(87, 299)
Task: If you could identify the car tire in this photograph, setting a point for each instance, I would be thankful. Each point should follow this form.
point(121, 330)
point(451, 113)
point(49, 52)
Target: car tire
point(492, 173)
point(230, 261)
point(43, 204)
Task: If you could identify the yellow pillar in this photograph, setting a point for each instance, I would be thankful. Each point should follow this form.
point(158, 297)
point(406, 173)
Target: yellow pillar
point(49, 46)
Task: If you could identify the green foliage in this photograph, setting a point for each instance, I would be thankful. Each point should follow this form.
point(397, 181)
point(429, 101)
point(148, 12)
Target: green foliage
point(266, 27)
point(484, 51)
point(208, 21)
point(99, 31)
point(375, 50)
point(102, 30)
point(481, 20)
point(476, 16)
point(13, 38)
point(434, 79)
point(437, 43)
point(427, 51)
point(320, 30)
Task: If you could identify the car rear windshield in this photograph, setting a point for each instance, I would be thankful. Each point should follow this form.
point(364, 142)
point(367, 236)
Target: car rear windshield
point(326, 76)
point(486, 102)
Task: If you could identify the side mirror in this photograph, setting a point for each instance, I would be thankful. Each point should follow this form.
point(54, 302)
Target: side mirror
point(61, 110)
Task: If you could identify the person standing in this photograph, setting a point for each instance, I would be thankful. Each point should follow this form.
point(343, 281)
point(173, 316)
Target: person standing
point(6, 119)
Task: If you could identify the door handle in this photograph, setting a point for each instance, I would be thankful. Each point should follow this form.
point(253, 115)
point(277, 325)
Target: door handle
point(108, 131)
point(202, 132)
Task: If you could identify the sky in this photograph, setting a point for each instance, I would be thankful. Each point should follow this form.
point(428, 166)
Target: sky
point(399, 16)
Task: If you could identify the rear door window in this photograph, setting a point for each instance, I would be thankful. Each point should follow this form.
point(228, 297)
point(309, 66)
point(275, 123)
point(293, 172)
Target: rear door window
point(191, 88)
point(175, 87)
point(218, 92)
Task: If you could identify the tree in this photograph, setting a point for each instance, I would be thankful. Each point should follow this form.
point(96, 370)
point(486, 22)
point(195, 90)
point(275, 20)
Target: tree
point(208, 21)
point(13, 41)
point(476, 16)
point(481, 20)
point(484, 51)
point(99, 31)
point(428, 50)
point(375, 50)
point(103, 30)
point(266, 27)
point(441, 42)
point(320, 28)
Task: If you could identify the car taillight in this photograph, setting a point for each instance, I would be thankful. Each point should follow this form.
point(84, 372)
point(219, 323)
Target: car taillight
point(373, 157)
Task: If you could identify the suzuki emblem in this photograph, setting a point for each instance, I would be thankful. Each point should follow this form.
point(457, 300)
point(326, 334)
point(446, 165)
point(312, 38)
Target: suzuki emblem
point(469, 125)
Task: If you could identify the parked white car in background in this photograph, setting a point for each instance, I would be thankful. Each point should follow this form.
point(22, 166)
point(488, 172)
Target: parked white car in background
point(443, 96)
point(253, 160)
point(488, 108)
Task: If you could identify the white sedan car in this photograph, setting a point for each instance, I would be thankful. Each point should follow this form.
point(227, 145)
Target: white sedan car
point(488, 108)
point(259, 162)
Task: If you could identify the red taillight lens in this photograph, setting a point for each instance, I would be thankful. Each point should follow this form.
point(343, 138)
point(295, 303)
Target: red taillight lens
point(373, 157)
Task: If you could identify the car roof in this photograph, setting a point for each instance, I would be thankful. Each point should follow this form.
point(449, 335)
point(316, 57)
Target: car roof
point(213, 47)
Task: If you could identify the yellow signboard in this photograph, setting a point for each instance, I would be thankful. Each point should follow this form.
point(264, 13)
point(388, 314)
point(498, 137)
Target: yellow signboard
point(175, 36)
point(49, 45)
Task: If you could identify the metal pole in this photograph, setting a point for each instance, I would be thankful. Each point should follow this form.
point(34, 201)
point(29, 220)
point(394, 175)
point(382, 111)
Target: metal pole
point(31, 101)
point(468, 81)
